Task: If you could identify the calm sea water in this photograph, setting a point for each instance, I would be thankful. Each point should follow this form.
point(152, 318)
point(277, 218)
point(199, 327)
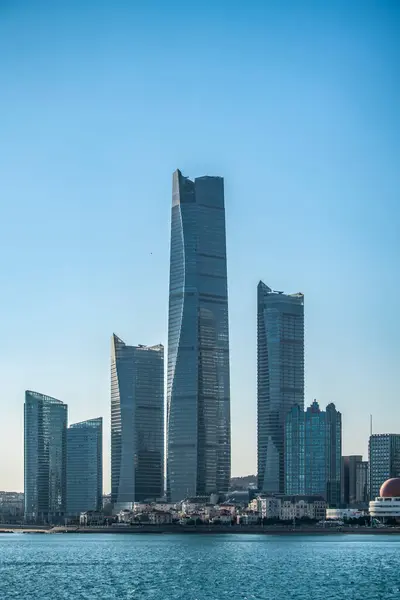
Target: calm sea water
point(190, 567)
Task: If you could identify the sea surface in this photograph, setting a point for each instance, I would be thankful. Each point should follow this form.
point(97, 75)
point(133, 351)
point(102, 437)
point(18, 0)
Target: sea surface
point(198, 567)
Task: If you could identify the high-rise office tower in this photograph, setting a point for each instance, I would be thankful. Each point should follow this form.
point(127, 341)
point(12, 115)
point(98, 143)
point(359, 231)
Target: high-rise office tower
point(280, 378)
point(294, 452)
point(137, 423)
point(313, 444)
point(198, 396)
point(85, 466)
point(384, 460)
point(334, 454)
point(349, 478)
point(45, 454)
point(362, 495)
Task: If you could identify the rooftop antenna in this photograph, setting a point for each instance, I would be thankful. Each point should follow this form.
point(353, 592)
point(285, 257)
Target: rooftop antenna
point(370, 425)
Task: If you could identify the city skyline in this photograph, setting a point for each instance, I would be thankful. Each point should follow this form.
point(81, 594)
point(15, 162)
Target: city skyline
point(297, 108)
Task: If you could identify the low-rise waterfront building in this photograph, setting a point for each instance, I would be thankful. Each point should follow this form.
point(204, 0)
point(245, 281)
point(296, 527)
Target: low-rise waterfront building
point(11, 506)
point(288, 508)
point(387, 504)
point(344, 513)
point(192, 505)
point(248, 518)
point(268, 507)
point(91, 517)
point(302, 507)
point(160, 517)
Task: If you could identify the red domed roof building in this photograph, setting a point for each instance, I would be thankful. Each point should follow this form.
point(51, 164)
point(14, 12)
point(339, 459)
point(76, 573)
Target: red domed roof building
point(390, 488)
point(387, 505)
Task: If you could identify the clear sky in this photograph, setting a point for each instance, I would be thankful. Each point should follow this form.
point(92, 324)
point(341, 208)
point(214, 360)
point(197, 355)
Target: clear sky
point(296, 104)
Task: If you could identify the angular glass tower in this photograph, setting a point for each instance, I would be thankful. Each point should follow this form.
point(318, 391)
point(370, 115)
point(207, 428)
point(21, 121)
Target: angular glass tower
point(137, 423)
point(45, 454)
point(198, 396)
point(84, 466)
point(280, 378)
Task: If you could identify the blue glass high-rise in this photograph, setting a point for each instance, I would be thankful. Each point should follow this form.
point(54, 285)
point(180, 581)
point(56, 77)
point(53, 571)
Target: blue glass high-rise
point(313, 448)
point(384, 460)
point(45, 457)
point(85, 466)
point(280, 378)
point(198, 395)
point(137, 423)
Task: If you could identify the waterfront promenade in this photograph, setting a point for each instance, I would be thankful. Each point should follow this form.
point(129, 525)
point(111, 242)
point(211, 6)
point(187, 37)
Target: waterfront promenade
point(202, 529)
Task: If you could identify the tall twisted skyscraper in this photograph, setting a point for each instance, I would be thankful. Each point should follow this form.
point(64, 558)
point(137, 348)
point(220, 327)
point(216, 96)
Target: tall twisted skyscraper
point(137, 423)
point(198, 397)
point(280, 378)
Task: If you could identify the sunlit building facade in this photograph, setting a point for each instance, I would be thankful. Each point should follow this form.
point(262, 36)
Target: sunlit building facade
point(384, 460)
point(280, 379)
point(198, 395)
point(45, 458)
point(313, 446)
point(137, 423)
point(85, 466)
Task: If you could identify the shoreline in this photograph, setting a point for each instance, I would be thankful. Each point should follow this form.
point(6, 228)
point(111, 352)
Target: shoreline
point(202, 530)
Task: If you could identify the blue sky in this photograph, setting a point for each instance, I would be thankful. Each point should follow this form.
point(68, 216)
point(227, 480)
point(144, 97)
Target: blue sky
point(296, 104)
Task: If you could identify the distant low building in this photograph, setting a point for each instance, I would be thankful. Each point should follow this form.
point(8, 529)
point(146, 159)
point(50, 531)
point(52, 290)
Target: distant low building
point(11, 506)
point(300, 507)
point(160, 517)
point(248, 518)
point(91, 517)
point(193, 505)
point(227, 507)
point(268, 507)
point(287, 508)
point(344, 513)
point(125, 516)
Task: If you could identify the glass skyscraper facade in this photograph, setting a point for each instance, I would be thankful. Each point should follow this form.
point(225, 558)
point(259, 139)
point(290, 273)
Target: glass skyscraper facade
point(313, 447)
point(294, 452)
point(137, 423)
point(84, 466)
point(384, 460)
point(45, 454)
point(362, 485)
point(334, 455)
point(198, 394)
point(280, 378)
point(349, 478)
